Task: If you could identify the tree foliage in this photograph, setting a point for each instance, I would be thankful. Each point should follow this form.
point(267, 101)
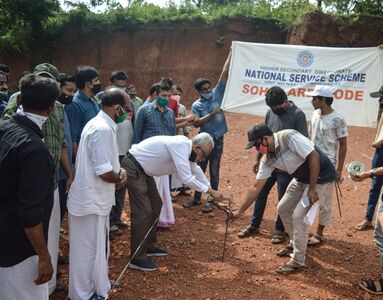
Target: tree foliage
point(24, 20)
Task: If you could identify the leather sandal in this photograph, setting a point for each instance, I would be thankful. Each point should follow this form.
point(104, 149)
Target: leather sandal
point(249, 230)
point(289, 268)
point(278, 237)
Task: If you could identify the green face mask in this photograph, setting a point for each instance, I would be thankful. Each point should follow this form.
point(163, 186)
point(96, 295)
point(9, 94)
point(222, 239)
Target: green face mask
point(121, 118)
point(162, 101)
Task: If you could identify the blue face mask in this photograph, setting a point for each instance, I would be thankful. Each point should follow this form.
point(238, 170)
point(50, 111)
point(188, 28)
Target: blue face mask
point(207, 96)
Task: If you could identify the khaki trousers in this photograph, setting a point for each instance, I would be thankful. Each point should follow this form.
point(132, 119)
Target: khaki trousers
point(292, 212)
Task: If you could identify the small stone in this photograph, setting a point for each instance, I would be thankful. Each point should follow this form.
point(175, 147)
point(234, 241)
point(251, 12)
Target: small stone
point(192, 241)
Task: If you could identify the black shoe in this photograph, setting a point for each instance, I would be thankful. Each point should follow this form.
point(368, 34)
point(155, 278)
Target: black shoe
point(154, 251)
point(143, 265)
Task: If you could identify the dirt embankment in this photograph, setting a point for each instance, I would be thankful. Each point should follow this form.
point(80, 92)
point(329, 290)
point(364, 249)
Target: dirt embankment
point(187, 50)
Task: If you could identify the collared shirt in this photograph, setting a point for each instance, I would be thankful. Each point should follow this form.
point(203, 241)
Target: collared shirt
point(291, 152)
point(79, 112)
point(97, 154)
point(288, 157)
point(166, 155)
point(217, 126)
point(53, 130)
point(26, 190)
point(150, 121)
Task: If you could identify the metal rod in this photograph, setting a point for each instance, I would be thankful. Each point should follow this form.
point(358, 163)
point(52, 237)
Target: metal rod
point(230, 199)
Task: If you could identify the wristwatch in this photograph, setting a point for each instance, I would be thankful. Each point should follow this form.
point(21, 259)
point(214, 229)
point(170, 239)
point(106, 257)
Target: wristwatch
point(372, 173)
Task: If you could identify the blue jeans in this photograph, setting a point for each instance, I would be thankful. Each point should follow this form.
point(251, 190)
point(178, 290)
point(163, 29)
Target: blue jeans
point(376, 185)
point(214, 160)
point(283, 180)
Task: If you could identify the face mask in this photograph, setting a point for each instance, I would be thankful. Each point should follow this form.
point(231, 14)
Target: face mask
point(207, 96)
point(162, 101)
point(177, 97)
point(120, 88)
point(132, 95)
point(122, 117)
point(263, 149)
point(96, 88)
point(65, 99)
point(37, 119)
point(279, 111)
point(193, 156)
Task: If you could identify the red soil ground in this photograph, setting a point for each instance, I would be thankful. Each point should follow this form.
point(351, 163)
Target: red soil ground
point(194, 270)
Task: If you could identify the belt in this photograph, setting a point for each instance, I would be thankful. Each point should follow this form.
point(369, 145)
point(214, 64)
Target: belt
point(133, 160)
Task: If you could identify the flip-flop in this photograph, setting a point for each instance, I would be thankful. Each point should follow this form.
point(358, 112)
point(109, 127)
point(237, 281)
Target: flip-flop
point(374, 287)
point(315, 240)
point(287, 269)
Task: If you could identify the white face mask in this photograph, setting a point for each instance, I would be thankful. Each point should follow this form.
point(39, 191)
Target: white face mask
point(37, 119)
point(177, 97)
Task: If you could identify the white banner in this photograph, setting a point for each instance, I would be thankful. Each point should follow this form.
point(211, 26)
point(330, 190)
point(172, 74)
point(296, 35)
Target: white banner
point(352, 72)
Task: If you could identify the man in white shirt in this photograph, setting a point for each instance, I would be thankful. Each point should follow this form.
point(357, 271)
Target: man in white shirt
point(159, 156)
point(328, 129)
point(312, 172)
point(91, 198)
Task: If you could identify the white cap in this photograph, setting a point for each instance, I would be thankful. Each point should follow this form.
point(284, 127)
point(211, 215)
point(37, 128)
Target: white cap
point(321, 91)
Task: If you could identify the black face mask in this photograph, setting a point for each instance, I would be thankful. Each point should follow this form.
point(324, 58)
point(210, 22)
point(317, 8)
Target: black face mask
point(279, 111)
point(193, 156)
point(65, 99)
point(96, 88)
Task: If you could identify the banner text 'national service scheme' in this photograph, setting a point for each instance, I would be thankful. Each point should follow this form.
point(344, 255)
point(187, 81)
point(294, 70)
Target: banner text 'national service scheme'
point(352, 72)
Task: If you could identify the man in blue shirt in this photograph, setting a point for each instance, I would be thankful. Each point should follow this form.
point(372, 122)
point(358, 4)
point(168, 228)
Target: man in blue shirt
point(155, 118)
point(84, 106)
point(211, 120)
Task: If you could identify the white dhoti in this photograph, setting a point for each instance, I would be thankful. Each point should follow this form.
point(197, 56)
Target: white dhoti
point(54, 239)
point(17, 282)
point(167, 214)
point(88, 256)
